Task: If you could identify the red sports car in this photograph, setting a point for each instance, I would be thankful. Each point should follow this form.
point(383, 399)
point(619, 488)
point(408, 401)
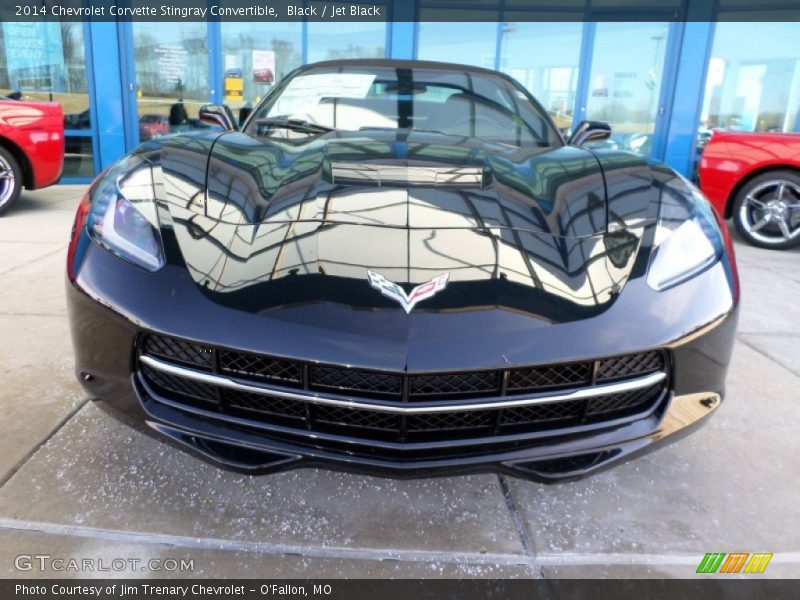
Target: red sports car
point(152, 126)
point(31, 147)
point(264, 75)
point(754, 178)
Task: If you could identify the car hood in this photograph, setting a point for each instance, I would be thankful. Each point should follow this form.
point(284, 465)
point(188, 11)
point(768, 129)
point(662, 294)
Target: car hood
point(275, 227)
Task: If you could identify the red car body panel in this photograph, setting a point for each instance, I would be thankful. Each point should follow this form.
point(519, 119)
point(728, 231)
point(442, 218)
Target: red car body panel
point(730, 158)
point(34, 133)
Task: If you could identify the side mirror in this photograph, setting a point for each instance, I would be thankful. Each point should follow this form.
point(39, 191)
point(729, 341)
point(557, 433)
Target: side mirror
point(218, 114)
point(589, 131)
point(244, 112)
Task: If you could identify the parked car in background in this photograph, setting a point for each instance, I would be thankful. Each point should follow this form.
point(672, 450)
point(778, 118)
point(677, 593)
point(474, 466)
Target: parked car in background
point(151, 126)
point(264, 75)
point(703, 135)
point(31, 147)
point(81, 120)
point(754, 178)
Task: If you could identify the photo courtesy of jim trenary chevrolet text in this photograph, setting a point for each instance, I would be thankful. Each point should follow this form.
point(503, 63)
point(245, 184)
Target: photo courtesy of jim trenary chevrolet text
point(399, 299)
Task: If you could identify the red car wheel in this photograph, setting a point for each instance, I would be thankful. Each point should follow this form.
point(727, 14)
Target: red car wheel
point(766, 210)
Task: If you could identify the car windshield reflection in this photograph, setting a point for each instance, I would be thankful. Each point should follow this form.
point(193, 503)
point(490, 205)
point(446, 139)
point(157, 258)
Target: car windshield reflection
point(466, 104)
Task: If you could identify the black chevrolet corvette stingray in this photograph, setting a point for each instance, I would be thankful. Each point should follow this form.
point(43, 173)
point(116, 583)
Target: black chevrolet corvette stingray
point(401, 268)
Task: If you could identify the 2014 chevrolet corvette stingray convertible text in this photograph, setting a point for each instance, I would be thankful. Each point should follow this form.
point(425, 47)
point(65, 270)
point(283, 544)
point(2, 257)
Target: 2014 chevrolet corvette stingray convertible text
point(401, 267)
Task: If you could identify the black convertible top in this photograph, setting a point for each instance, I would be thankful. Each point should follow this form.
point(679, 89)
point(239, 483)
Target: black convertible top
point(400, 64)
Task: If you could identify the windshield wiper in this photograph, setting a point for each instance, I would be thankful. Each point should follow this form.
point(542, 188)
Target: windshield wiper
point(295, 124)
point(403, 129)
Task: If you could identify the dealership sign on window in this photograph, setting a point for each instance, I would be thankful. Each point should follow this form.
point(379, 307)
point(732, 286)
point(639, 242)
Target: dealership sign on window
point(172, 62)
point(34, 56)
point(263, 66)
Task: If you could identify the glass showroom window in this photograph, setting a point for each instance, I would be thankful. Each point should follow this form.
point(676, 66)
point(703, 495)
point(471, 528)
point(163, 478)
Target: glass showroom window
point(753, 81)
point(46, 61)
point(256, 56)
point(345, 40)
point(171, 63)
point(625, 81)
point(463, 43)
point(544, 57)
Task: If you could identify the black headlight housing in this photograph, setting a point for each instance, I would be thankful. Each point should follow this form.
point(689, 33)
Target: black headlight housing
point(123, 218)
point(687, 240)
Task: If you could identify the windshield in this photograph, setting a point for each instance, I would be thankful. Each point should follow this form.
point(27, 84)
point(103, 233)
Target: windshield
point(454, 102)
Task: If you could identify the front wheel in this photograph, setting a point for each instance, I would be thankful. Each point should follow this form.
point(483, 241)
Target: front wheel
point(766, 210)
point(10, 180)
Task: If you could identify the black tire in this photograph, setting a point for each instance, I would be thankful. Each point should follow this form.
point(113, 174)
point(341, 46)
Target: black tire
point(747, 215)
point(10, 186)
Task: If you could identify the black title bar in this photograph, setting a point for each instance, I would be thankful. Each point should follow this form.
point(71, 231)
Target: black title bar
point(399, 10)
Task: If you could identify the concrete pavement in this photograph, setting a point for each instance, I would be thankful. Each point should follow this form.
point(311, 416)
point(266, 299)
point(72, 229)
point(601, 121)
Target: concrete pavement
point(76, 484)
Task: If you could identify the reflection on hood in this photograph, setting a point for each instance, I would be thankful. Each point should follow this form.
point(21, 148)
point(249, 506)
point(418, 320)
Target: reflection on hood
point(264, 224)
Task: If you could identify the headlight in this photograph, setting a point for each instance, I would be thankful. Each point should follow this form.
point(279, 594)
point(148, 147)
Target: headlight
point(687, 240)
point(123, 217)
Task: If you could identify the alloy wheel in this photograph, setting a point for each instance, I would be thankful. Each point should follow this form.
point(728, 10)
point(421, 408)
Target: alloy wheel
point(770, 213)
point(7, 182)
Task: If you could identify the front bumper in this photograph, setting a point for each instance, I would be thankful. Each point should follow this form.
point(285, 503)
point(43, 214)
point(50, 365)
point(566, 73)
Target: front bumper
point(550, 459)
point(112, 304)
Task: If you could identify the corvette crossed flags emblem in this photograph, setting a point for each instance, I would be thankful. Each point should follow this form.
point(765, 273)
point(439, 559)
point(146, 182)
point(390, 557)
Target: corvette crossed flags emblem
point(398, 294)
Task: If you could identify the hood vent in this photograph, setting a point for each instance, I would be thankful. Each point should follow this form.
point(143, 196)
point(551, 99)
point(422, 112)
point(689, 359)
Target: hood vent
point(413, 176)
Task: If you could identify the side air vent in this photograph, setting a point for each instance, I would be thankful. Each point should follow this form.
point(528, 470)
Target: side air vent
point(402, 175)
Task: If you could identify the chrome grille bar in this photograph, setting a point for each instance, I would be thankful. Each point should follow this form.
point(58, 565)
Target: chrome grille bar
point(312, 397)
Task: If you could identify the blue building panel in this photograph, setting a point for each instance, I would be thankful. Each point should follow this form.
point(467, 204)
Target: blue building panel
point(687, 96)
point(109, 117)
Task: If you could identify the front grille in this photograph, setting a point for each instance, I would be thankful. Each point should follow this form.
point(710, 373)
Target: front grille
point(254, 366)
point(462, 385)
point(550, 377)
point(623, 401)
point(187, 353)
point(620, 367)
point(453, 421)
point(543, 413)
point(402, 389)
point(184, 387)
point(238, 400)
point(355, 417)
point(360, 383)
